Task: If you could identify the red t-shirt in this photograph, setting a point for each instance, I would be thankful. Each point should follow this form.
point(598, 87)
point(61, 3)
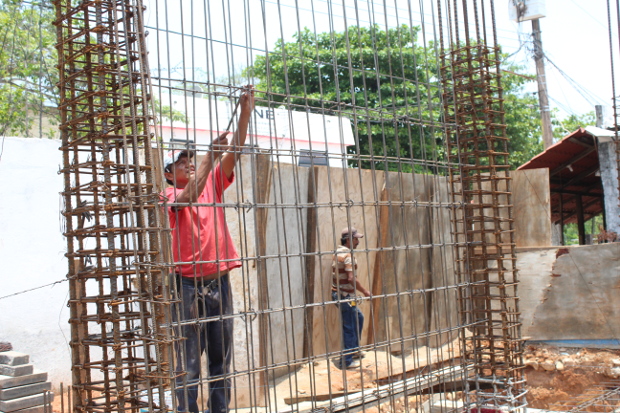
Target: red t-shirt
point(200, 236)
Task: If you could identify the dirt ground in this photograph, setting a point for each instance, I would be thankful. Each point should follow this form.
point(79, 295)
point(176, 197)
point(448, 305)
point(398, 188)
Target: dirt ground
point(555, 377)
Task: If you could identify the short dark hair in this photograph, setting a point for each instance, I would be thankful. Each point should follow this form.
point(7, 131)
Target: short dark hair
point(343, 240)
point(167, 170)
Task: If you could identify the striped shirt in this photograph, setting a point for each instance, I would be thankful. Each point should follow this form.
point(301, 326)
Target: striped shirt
point(343, 265)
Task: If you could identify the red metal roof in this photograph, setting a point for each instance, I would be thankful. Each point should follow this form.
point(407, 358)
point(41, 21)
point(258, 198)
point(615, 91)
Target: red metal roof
point(573, 166)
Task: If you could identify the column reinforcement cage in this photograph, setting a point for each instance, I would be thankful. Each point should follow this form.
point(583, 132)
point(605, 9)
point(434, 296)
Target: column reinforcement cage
point(118, 297)
point(484, 225)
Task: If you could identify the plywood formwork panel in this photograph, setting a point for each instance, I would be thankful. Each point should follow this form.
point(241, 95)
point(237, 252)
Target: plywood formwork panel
point(343, 196)
point(406, 264)
point(532, 207)
point(248, 387)
point(444, 301)
point(285, 236)
point(535, 269)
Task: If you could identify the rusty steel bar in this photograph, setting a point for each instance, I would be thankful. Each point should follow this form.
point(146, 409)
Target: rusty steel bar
point(118, 294)
point(483, 225)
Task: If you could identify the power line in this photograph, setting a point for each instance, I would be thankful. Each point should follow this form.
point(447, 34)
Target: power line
point(585, 93)
point(588, 13)
point(35, 288)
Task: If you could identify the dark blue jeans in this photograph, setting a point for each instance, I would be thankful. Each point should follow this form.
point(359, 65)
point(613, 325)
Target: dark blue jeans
point(352, 325)
point(212, 334)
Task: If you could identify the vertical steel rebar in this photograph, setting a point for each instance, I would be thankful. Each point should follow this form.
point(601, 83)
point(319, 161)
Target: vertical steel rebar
point(483, 226)
point(116, 241)
point(118, 297)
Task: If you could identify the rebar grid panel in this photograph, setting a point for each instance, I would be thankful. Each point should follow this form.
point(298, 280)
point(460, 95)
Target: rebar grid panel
point(603, 398)
point(483, 225)
point(118, 298)
point(347, 132)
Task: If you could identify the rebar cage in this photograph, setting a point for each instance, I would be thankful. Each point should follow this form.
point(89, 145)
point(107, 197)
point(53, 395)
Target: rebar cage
point(386, 118)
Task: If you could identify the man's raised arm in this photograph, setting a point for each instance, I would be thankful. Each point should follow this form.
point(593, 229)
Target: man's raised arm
point(229, 159)
point(196, 183)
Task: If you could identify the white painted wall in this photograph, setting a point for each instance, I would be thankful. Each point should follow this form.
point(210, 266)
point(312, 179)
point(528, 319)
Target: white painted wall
point(283, 132)
point(32, 255)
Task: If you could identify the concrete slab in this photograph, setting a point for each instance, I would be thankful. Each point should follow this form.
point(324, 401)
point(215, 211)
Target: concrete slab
point(16, 371)
point(535, 268)
point(14, 358)
point(577, 298)
point(8, 382)
point(23, 391)
point(25, 402)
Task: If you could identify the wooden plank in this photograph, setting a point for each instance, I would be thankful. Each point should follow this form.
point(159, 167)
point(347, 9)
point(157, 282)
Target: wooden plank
point(532, 207)
point(380, 263)
point(161, 280)
point(80, 354)
point(416, 384)
point(321, 380)
point(311, 239)
point(262, 186)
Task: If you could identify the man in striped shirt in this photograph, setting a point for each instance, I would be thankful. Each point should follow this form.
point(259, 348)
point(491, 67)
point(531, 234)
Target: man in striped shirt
point(344, 286)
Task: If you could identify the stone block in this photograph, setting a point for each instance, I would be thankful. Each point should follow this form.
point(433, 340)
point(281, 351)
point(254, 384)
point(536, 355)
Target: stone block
point(35, 409)
point(8, 406)
point(14, 358)
point(23, 391)
point(36, 377)
point(16, 371)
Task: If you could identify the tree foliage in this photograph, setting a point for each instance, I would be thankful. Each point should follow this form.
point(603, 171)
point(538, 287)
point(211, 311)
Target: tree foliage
point(371, 75)
point(522, 117)
point(570, 124)
point(388, 84)
point(27, 65)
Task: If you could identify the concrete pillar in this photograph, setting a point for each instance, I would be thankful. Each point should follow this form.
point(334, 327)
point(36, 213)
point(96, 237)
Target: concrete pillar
point(556, 234)
point(609, 178)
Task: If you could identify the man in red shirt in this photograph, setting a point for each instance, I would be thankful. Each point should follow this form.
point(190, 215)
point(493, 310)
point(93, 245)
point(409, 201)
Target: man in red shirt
point(204, 253)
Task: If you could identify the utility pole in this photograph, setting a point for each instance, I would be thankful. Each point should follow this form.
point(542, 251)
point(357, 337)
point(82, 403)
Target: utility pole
point(543, 100)
point(599, 115)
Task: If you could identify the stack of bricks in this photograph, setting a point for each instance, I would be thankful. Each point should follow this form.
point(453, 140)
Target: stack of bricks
point(22, 389)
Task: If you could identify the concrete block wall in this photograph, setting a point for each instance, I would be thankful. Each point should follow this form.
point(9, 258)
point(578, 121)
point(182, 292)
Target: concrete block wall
point(22, 388)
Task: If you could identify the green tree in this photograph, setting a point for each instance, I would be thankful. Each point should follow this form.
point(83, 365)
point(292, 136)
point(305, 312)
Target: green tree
point(522, 116)
point(27, 65)
point(387, 84)
point(571, 123)
point(371, 76)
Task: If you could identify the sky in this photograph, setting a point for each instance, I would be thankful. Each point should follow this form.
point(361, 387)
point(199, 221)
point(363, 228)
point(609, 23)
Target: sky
point(575, 38)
